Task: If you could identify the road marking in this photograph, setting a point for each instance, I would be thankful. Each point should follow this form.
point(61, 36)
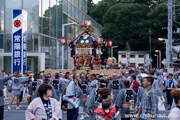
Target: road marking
point(161, 106)
point(15, 103)
point(19, 106)
point(15, 110)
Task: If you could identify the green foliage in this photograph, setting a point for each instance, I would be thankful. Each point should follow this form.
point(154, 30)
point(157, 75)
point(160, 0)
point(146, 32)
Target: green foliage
point(128, 21)
point(158, 19)
point(90, 5)
point(102, 7)
point(128, 48)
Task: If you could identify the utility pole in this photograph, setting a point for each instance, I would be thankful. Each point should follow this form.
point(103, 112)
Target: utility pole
point(150, 44)
point(169, 41)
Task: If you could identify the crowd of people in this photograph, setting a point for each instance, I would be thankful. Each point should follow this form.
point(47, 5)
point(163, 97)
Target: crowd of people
point(130, 95)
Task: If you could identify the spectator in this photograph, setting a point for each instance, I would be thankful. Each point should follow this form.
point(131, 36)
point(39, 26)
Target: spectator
point(174, 113)
point(44, 107)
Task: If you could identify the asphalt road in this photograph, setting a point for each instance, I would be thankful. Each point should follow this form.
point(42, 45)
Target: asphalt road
point(20, 114)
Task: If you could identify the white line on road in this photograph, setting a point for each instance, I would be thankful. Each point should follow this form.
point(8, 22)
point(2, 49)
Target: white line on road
point(161, 106)
point(15, 111)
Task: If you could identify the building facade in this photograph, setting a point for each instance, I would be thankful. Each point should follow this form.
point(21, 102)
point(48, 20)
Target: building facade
point(44, 31)
point(135, 58)
point(176, 54)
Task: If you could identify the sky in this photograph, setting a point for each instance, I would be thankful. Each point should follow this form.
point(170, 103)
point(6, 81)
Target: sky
point(96, 1)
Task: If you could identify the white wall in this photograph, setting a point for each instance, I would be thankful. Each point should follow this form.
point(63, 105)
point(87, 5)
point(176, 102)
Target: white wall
point(135, 60)
point(41, 59)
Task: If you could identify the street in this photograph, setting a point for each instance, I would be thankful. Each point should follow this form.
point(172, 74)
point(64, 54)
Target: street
point(20, 114)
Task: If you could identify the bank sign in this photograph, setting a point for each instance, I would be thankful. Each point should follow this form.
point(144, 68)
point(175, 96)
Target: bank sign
point(19, 41)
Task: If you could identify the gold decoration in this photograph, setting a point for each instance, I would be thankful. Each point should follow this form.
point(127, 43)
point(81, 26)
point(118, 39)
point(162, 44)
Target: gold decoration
point(85, 36)
point(68, 41)
point(87, 41)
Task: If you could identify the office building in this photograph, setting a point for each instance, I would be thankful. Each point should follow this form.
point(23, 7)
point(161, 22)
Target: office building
point(44, 31)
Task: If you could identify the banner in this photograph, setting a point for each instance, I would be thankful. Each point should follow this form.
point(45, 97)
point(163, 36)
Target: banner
point(19, 41)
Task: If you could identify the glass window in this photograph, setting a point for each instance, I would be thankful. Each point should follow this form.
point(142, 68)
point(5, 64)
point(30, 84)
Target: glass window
point(9, 6)
point(47, 64)
point(7, 63)
point(73, 11)
point(30, 45)
point(77, 3)
point(59, 20)
point(53, 18)
point(80, 4)
point(52, 53)
point(45, 16)
point(141, 56)
point(73, 2)
point(81, 16)
point(45, 49)
point(123, 64)
point(36, 43)
point(32, 8)
point(123, 56)
point(8, 43)
point(1, 41)
point(77, 13)
point(40, 16)
point(65, 6)
point(132, 56)
point(84, 6)
point(69, 9)
point(141, 64)
point(84, 16)
point(1, 16)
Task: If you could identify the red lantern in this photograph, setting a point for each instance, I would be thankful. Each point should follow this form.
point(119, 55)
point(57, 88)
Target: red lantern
point(109, 43)
point(63, 41)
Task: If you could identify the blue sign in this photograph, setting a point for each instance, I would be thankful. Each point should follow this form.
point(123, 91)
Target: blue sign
point(19, 38)
point(24, 52)
point(17, 50)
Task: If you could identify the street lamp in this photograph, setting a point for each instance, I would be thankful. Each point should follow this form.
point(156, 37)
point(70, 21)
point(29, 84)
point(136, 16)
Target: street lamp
point(112, 50)
point(63, 25)
point(167, 55)
point(159, 57)
point(162, 39)
point(168, 52)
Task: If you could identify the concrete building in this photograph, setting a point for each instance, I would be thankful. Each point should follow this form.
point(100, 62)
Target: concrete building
point(136, 58)
point(176, 54)
point(45, 19)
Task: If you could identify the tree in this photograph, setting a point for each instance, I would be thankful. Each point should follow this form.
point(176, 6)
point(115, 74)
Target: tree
point(126, 22)
point(129, 21)
point(128, 48)
point(100, 9)
point(90, 6)
point(158, 19)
